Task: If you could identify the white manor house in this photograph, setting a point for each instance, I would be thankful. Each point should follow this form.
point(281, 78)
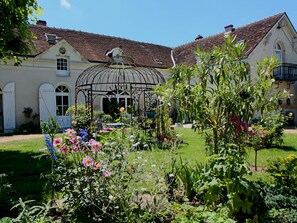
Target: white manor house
point(46, 80)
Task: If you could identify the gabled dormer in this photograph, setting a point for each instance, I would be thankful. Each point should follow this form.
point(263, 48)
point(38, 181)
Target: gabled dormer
point(62, 56)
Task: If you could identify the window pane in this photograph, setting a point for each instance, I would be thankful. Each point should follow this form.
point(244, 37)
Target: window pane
point(59, 110)
point(122, 102)
point(65, 89)
point(65, 109)
point(62, 64)
point(65, 100)
point(59, 100)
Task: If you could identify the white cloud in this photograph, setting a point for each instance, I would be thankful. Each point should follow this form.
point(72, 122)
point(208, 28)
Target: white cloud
point(65, 4)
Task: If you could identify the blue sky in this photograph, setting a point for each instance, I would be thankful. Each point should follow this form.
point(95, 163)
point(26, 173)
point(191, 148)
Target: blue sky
point(165, 22)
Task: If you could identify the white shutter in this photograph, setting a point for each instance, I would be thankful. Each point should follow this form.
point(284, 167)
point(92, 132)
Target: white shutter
point(47, 102)
point(9, 107)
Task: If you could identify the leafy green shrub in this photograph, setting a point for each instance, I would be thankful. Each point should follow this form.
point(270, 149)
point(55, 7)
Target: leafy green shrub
point(184, 178)
point(281, 204)
point(284, 171)
point(34, 214)
point(224, 181)
point(51, 127)
point(30, 125)
point(281, 196)
point(81, 118)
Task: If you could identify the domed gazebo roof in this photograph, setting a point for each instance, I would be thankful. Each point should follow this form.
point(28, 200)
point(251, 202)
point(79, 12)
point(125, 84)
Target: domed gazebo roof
point(104, 78)
point(120, 76)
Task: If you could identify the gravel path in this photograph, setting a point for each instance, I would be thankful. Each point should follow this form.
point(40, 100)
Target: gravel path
point(19, 137)
point(33, 136)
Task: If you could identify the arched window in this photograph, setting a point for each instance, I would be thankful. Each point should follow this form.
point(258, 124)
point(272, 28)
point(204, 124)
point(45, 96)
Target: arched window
point(279, 51)
point(62, 100)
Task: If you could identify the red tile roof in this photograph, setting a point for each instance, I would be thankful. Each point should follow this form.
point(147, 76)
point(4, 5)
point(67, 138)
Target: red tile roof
point(252, 33)
point(94, 46)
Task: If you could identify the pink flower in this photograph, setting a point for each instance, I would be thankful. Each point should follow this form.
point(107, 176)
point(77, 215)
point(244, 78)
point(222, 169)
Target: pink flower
point(76, 148)
point(262, 134)
point(97, 166)
point(96, 146)
point(88, 161)
point(57, 141)
point(70, 132)
point(74, 140)
point(106, 173)
point(122, 109)
point(64, 149)
point(92, 141)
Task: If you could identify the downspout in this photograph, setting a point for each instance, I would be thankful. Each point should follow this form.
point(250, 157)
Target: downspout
point(172, 58)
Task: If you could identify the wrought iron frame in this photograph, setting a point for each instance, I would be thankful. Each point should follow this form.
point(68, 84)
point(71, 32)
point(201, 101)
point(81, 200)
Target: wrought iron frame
point(121, 75)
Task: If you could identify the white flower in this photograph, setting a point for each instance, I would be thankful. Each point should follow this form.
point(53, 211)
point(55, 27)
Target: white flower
point(110, 197)
point(136, 144)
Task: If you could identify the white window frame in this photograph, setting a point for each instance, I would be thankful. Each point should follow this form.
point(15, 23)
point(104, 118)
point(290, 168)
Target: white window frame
point(62, 66)
point(279, 51)
point(61, 93)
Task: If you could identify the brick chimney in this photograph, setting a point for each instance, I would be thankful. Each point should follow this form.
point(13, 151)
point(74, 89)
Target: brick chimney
point(229, 28)
point(41, 22)
point(198, 37)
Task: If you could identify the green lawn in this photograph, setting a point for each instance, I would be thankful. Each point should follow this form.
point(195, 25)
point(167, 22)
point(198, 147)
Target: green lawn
point(195, 150)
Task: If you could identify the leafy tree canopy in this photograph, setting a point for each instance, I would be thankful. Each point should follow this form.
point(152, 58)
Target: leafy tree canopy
point(15, 36)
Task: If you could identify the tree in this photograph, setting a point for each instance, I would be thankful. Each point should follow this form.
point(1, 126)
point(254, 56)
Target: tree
point(222, 99)
point(15, 35)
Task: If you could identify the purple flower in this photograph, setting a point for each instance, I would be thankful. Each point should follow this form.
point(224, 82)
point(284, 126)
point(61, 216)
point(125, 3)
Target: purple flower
point(83, 134)
point(50, 147)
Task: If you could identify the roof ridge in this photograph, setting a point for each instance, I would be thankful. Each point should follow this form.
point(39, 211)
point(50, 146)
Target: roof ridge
point(240, 27)
point(97, 34)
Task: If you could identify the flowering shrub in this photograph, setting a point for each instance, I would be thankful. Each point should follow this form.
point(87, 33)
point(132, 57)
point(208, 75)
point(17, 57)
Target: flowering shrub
point(269, 130)
point(284, 171)
point(92, 177)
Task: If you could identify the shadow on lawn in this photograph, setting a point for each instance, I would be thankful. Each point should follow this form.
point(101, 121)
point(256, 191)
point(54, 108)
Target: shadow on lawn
point(23, 172)
point(287, 148)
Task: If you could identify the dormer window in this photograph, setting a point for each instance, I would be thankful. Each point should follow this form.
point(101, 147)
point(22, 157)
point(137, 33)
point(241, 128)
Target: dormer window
point(279, 51)
point(51, 38)
point(158, 61)
point(62, 67)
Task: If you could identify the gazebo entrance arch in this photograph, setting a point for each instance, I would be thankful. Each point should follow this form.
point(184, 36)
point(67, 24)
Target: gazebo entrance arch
point(120, 82)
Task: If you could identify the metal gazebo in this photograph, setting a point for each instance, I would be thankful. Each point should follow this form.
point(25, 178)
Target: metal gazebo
point(120, 80)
